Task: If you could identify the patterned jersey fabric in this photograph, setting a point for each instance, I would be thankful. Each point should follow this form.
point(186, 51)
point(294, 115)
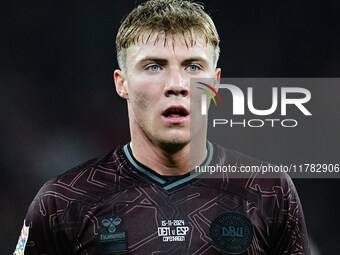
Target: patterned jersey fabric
point(116, 205)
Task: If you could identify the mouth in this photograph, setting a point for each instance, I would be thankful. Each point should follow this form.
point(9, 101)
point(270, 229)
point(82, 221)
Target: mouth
point(175, 114)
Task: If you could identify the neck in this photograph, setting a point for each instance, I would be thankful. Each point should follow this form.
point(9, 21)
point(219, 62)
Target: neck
point(169, 160)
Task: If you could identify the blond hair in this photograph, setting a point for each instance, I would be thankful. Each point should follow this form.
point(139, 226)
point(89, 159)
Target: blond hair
point(171, 17)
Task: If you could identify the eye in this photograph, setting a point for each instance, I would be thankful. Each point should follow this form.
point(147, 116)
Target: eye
point(154, 68)
point(193, 68)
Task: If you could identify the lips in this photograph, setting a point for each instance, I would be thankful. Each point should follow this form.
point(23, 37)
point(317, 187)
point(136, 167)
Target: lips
point(175, 114)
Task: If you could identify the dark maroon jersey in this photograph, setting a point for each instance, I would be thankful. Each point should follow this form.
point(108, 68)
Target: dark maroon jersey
point(116, 205)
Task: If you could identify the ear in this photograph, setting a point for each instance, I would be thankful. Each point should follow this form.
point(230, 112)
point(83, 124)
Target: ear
point(217, 75)
point(120, 82)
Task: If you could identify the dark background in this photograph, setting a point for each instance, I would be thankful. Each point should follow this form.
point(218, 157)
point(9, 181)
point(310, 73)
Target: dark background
point(59, 108)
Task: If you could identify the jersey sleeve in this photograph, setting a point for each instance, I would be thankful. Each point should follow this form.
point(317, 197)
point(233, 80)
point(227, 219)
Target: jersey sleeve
point(287, 230)
point(42, 233)
point(35, 236)
point(52, 222)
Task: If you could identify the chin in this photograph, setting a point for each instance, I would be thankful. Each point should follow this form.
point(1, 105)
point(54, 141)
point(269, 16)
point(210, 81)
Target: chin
point(174, 143)
point(176, 140)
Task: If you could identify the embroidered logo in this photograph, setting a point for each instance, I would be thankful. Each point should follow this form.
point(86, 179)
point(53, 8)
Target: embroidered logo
point(113, 238)
point(111, 224)
point(232, 232)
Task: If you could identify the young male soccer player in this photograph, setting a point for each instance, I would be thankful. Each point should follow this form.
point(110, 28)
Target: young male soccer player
point(141, 198)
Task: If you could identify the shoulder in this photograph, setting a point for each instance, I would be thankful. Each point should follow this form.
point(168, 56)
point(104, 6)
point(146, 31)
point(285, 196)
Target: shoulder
point(57, 211)
point(230, 156)
point(243, 175)
point(269, 189)
point(247, 166)
point(87, 182)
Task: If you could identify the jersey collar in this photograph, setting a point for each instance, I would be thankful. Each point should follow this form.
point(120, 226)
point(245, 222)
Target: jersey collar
point(167, 185)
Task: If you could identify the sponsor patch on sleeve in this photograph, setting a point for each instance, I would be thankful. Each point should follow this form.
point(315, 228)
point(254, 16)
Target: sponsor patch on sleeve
point(20, 248)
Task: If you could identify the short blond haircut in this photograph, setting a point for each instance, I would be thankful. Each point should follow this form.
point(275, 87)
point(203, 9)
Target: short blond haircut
point(169, 17)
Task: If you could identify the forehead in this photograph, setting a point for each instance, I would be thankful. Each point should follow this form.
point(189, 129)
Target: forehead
point(162, 45)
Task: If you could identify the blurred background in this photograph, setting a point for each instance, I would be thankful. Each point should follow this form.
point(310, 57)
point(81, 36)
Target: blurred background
point(59, 107)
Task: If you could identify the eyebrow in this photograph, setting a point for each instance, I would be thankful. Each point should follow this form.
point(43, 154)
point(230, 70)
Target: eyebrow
point(195, 59)
point(163, 61)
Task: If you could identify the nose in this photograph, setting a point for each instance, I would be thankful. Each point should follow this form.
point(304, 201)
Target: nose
point(177, 84)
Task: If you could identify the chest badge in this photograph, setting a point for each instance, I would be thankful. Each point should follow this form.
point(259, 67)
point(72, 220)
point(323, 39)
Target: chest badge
point(232, 232)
